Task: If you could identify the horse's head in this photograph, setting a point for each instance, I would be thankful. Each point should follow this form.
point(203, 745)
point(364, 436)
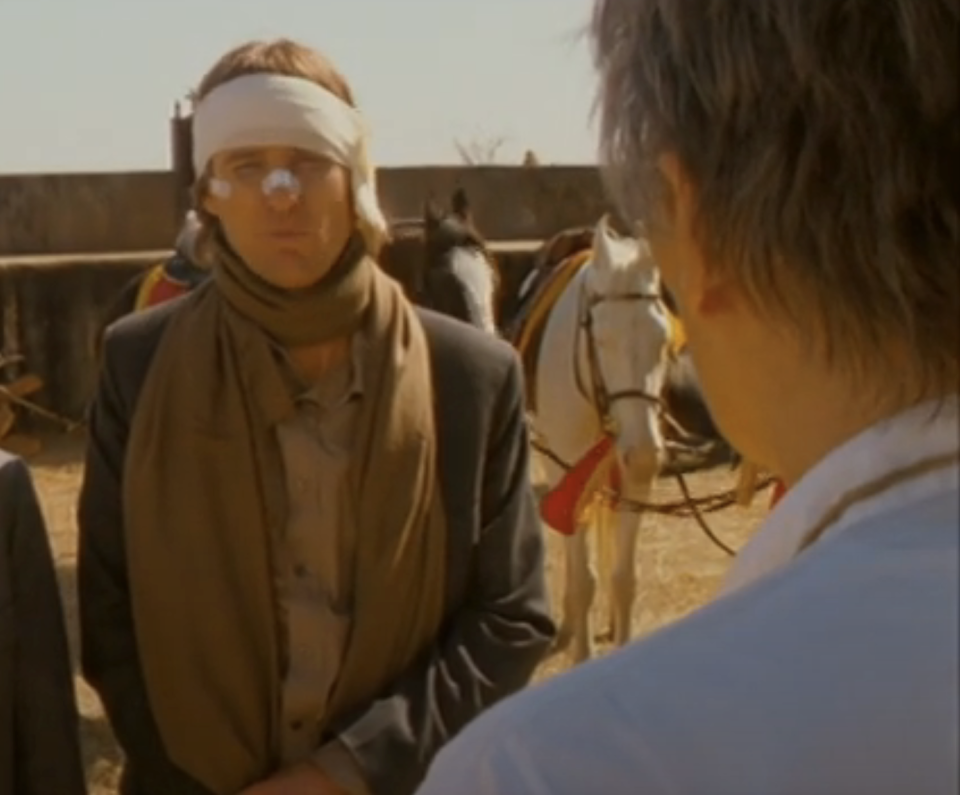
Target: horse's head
point(454, 248)
point(446, 230)
point(627, 342)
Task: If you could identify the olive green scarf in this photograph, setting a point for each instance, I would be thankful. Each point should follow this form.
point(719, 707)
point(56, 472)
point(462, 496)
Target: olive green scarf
point(204, 500)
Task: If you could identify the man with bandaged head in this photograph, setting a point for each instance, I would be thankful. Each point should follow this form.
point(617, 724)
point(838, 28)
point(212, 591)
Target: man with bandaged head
point(309, 551)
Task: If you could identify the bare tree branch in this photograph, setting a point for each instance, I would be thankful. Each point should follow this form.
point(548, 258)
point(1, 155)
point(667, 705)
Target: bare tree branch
point(480, 150)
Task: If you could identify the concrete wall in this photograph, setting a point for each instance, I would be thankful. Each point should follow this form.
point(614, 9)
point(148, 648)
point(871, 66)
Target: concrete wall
point(51, 311)
point(52, 214)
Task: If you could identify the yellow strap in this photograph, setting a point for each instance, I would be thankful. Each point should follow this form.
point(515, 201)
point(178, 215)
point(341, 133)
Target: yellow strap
point(676, 333)
point(549, 297)
point(146, 286)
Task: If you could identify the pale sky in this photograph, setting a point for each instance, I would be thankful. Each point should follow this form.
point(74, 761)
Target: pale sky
point(89, 85)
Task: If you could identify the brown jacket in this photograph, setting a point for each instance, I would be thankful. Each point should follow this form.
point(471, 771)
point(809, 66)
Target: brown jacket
point(39, 742)
point(497, 627)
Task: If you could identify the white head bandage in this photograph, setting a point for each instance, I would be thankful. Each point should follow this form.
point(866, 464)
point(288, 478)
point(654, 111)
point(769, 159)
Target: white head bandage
point(276, 110)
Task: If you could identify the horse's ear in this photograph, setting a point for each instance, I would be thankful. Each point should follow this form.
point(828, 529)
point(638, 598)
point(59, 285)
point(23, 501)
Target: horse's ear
point(602, 243)
point(460, 204)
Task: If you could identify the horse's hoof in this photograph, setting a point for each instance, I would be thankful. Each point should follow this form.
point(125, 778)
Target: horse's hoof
point(606, 636)
point(580, 655)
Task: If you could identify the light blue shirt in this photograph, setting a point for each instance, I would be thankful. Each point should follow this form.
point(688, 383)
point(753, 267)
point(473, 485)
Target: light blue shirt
point(832, 671)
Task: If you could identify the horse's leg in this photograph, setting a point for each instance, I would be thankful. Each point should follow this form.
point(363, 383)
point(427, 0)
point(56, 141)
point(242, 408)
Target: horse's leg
point(603, 527)
point(581, 585)
point(624, 577)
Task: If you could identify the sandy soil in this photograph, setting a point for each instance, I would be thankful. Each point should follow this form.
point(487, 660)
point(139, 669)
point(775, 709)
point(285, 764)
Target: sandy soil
point(678, 570)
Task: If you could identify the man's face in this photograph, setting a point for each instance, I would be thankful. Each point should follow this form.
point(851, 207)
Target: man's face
point(287, 231)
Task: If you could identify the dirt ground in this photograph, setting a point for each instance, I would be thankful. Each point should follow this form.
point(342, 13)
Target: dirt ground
point(678, 570)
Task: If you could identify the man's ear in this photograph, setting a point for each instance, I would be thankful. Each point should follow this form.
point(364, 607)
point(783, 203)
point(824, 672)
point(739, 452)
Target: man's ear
point(207, 199)
point(706, 289)
point(210, 204)
point(676, 207)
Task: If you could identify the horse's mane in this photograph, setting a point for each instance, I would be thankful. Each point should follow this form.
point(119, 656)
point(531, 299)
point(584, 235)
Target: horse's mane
point(564, 245)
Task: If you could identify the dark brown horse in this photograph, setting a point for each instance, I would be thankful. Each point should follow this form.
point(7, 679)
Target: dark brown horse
point(453, 271)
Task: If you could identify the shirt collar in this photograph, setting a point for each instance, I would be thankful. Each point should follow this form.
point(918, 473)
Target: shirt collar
point(899, 441)
point(342, 384)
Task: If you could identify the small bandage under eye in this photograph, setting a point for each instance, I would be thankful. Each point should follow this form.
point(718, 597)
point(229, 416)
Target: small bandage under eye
point(279, 179)
point(220, 187)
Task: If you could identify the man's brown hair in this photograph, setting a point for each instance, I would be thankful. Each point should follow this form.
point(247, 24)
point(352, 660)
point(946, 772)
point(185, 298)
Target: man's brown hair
point(822, 138)
point(279, 57)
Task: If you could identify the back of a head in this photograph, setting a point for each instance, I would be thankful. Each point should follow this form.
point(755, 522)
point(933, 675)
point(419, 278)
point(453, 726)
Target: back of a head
point(822, 139)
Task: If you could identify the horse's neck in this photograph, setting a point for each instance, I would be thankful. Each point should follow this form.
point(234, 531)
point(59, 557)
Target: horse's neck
point(560, 331)
point(566, 417)
point(476, 274)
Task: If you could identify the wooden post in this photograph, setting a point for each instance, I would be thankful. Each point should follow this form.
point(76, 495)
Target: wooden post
point(181, 146)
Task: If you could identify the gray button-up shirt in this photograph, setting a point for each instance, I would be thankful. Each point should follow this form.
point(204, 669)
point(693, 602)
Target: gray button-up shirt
point(315, 558)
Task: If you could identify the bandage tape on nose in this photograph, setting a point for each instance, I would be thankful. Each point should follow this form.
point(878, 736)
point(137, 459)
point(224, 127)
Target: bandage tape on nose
point(280, 179)
point(277, 179)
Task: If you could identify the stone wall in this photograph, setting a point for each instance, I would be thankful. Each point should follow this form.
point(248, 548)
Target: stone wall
point(57, 214)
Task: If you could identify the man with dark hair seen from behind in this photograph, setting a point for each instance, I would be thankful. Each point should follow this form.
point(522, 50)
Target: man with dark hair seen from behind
point(794, 164)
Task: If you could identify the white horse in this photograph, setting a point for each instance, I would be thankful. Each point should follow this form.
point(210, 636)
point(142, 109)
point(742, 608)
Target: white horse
point(601, 366)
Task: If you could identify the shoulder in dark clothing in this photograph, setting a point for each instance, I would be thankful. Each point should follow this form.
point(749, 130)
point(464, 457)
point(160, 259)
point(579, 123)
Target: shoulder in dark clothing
point(39, 731)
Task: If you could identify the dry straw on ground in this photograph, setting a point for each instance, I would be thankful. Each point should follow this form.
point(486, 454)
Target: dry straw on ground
point(678, 570)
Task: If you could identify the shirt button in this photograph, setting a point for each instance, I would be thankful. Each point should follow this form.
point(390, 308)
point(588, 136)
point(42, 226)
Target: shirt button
point(300, 570)
point(296, 725)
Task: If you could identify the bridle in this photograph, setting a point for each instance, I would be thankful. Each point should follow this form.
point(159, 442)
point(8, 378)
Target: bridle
point(599, 395)
point(602, 399)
